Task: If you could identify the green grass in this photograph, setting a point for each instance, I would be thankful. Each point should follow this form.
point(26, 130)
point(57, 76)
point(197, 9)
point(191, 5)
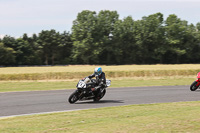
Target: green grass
point(151, 118)
point(168, 117)
point(59, 85)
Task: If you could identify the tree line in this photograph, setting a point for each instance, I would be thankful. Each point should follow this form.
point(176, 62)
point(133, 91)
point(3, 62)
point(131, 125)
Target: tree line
point(103, 38)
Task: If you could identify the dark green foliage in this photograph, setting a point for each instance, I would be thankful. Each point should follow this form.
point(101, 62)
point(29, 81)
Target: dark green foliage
point(103, 38)
point(7, 56)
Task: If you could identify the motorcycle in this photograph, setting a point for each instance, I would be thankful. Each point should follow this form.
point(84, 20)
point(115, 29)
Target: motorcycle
point(194, 86)
point(84, 91)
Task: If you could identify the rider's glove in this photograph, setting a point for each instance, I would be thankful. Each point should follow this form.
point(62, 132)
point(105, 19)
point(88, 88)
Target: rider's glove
point(93, 89)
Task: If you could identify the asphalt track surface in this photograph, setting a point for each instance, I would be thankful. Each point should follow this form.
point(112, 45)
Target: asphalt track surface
point(21, 103)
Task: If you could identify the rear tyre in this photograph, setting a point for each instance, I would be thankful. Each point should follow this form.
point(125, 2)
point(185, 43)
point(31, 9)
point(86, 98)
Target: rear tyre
point(194, 86)
point(73, 97)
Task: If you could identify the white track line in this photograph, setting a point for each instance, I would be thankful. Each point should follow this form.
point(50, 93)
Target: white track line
point(10, 116)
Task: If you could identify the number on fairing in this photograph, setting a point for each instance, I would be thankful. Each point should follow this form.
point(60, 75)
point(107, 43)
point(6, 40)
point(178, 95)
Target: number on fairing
point(81, 84)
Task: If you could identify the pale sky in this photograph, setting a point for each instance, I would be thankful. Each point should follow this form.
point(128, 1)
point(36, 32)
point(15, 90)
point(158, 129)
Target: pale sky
point(32, 16)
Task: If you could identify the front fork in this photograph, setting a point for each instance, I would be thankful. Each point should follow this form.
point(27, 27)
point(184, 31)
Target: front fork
point(101, 90)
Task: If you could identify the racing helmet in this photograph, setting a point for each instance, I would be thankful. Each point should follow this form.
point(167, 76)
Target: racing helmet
point(97, 71)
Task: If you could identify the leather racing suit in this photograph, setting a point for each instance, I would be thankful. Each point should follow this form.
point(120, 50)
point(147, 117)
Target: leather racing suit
point(100, 80)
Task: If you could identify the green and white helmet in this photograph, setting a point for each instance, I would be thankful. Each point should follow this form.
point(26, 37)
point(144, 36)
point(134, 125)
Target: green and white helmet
point(98, 71)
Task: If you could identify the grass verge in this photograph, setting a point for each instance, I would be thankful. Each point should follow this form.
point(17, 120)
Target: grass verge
point(165, 117)
point(7, 86)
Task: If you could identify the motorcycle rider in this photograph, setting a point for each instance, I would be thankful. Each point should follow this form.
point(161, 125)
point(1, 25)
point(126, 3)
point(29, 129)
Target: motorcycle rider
point(100, 78)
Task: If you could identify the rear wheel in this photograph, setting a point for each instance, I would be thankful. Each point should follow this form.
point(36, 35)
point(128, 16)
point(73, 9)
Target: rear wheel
point(73, 97)
point(194, 86)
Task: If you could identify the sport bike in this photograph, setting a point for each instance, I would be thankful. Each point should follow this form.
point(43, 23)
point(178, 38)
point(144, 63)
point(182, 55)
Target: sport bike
point(196, 83)
point(84, 91)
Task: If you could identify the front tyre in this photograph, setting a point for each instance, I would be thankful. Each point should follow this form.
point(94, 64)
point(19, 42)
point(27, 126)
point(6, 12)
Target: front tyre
point(194, 86)
point(73, 97)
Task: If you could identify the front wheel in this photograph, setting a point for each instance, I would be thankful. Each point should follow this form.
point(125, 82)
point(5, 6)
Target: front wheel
point(194, 86)
point(73, 97)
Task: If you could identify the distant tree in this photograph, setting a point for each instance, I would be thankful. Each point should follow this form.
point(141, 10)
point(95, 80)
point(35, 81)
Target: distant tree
point(193, 53)
point(36, 51)
point(150, 39)
point(65, 48)
point(176, 33)
point(27, 51)
point(49, 42)
point(85, 50)
point(191, 45)
point(7, 55)
point(124, 42)
point(9, 41)
point(104, 36)
point(91, 35)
